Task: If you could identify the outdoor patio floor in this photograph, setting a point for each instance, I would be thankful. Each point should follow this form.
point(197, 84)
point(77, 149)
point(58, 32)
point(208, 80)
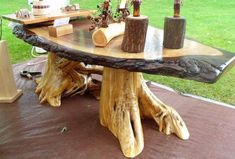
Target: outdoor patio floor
point(31, 130)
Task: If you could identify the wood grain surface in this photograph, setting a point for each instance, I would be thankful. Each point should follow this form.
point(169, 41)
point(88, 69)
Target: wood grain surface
point(195, 61)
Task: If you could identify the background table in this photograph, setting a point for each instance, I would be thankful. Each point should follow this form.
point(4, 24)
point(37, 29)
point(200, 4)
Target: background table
point(47, 18)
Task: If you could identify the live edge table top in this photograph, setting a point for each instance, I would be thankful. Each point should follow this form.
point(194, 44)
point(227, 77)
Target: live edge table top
point(195, 61)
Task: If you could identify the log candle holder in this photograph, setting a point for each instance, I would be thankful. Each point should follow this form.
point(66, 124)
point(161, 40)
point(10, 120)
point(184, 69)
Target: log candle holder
point(174, 29)
point(174, 32)
point(135, 34)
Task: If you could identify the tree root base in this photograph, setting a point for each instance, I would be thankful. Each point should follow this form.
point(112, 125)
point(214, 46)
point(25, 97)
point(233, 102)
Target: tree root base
point(66, 78)
point(125, 98)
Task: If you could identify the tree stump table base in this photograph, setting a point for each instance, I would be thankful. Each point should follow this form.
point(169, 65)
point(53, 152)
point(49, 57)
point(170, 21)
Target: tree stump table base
point(67, 78)
point(125, 99)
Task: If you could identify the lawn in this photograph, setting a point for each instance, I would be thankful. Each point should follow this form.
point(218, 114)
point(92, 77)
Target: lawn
point(210, 22)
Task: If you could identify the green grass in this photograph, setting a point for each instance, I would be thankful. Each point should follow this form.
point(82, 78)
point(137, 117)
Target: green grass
point(210, 22)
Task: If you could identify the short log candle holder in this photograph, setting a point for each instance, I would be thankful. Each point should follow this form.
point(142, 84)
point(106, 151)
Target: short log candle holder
point(135, 34)
point(174, 32)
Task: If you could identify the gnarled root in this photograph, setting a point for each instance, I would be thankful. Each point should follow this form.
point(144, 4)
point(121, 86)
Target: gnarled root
point(124, 99)
point(119, 109)
point(62, 77)
point(168, 120)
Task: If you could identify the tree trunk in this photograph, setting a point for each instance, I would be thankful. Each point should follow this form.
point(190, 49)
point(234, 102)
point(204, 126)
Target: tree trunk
point(135, 34)
point(125, 98)
point(67, 78)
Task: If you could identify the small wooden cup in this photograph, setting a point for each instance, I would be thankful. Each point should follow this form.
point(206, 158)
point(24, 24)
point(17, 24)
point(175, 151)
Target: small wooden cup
point(135, 34)
point(174, 32)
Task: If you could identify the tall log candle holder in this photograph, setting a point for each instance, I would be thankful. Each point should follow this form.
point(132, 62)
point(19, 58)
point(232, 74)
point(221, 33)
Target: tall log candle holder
point(135, 31)
point(8, 91)
point(174, 29)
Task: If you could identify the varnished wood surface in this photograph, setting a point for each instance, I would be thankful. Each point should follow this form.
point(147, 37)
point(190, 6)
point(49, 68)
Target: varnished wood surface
point(195, 61)
point(81, 40)
point(45, 18)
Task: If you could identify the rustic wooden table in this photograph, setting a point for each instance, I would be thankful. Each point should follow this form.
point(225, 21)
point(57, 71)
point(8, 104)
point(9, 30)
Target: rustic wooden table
point(125, 97)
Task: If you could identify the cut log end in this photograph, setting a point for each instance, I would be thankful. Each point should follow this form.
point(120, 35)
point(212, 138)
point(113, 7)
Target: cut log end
point(99, 39)
point(102, 36)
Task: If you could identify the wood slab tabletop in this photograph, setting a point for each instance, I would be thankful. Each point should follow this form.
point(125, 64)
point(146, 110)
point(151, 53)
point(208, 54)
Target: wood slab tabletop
point(195, 61)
